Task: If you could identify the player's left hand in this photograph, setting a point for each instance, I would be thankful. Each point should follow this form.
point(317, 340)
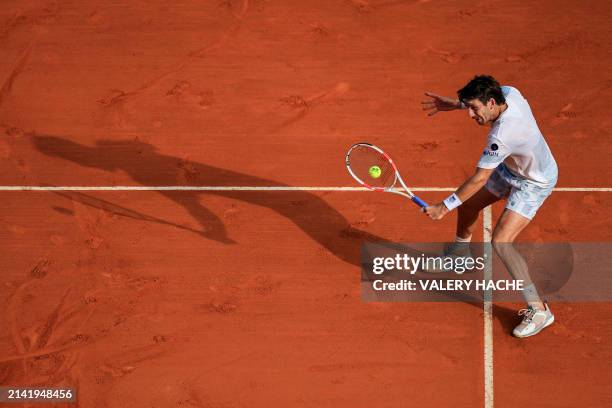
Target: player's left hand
point(436, 211)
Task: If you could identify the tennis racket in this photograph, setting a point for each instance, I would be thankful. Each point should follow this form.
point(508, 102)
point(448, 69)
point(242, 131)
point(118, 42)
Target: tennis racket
point(365, 161)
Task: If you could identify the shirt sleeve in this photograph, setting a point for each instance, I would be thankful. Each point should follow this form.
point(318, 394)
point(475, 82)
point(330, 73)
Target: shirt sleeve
point(494, 154)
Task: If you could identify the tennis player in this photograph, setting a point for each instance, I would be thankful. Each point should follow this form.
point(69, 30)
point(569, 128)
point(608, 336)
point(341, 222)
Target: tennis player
point(517, 165)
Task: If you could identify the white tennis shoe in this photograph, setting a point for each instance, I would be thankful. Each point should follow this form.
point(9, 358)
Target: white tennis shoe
point(534, 321)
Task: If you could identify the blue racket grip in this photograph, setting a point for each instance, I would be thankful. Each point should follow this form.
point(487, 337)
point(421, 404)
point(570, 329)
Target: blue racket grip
point(419, 202)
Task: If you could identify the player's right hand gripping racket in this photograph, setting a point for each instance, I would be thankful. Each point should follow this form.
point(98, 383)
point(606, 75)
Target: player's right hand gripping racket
point(375, 170)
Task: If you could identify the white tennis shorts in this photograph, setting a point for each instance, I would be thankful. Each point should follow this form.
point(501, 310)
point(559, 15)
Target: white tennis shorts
point(523, 196)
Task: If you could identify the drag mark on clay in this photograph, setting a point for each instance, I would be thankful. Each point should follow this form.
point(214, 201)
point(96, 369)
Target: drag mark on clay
point(361, 365)
point(41, 350)
point(17, 69)
point(34, 18)
point(362, 6)
point(572, 39)
point(11, 24)
point(38, 272)
point(126, 363)
point(47, 329)
point(118, 96)
point(41, 353)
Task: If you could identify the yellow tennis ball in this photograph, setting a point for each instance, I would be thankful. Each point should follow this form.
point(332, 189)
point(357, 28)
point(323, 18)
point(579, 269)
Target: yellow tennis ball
point(375, 171)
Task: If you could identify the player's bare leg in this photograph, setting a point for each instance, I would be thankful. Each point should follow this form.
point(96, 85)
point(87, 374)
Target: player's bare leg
point(537, 316)
point(508, 227)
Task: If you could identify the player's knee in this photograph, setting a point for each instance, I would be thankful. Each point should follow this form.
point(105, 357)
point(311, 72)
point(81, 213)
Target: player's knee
point(500, 237)
point(499, 248)
point(501, 242)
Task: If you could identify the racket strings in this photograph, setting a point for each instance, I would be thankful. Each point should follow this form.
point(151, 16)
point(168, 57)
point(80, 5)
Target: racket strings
point(364, 162)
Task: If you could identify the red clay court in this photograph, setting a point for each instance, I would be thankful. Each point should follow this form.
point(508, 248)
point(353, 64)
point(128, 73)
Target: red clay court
point(177, 227)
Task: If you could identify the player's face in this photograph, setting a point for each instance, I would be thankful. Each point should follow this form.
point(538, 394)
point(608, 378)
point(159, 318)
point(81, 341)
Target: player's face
point(480, 112)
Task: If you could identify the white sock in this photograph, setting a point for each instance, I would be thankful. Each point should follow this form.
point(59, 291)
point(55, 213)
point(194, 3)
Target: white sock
point(459, 239)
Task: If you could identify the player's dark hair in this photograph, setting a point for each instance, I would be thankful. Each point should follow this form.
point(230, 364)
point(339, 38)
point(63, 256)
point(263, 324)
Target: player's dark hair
point(483, 88)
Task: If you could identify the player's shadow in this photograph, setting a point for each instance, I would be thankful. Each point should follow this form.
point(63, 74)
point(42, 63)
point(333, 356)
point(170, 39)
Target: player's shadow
point(507, 317)
point(148, 167)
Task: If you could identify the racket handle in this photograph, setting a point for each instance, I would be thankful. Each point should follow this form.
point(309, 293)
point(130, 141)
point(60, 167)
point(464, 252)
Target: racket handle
point(419, 202)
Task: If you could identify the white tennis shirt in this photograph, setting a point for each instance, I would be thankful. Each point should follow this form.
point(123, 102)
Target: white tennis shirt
point(516, 140)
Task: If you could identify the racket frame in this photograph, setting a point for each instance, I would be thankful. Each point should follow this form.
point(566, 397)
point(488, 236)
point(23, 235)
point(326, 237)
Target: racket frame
point(391, 189)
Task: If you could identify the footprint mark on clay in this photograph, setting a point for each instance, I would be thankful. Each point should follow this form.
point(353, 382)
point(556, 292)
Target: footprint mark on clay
point(318, 30)
point(206, 98)
point(95, 18)
point(14, 132)
point(428, 145)
point(361, 6)
point(179, 88)
point(299, 102)
point(564, 114)
point(183, 90)
point(448, 56)
point(567, 112)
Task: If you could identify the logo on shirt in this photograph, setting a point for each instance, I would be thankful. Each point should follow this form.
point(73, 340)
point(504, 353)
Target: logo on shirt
point(490, 153)
point(494, 146)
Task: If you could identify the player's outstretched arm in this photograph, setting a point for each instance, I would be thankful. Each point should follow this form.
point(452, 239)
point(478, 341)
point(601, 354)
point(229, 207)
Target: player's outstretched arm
point(438, 103)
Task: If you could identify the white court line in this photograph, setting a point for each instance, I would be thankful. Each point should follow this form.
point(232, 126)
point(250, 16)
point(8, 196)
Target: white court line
point(251, 188)
point(198, 188)
point(583, 189)
point(487, 223)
